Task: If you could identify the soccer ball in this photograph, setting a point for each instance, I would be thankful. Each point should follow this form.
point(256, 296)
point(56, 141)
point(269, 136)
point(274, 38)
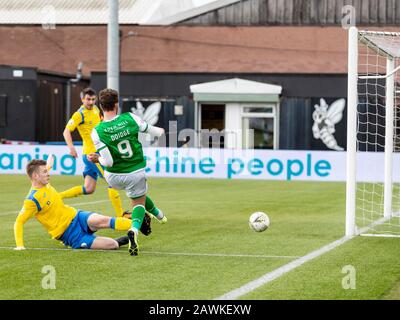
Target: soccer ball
point(259, 221)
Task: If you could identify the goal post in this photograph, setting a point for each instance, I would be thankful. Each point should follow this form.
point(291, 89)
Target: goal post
point(352, 79)
point(389, 123)
point(373, 134)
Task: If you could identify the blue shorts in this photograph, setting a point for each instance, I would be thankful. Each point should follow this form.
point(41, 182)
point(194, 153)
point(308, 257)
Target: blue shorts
point(78, 235)
point(93, 170)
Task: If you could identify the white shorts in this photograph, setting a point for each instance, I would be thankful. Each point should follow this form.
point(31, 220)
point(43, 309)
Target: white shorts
point(134, 183)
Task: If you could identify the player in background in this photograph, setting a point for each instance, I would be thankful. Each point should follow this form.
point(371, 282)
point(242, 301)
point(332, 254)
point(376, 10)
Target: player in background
point(121, 153)
point(85, 119)
point(73, 227)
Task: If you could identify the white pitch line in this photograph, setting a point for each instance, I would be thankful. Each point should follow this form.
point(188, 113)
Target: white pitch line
point(379, 235)
point(162, 253)
point(72, 204)
point(268, 277)
point(223, 255)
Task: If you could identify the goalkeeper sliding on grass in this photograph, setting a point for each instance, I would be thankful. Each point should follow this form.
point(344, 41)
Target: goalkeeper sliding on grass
point(117, 141)
point(73, 227)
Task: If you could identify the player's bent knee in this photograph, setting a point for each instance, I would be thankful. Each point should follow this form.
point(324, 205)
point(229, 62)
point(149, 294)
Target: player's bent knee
point(90, 190)
point(115, 245)
point(102, 243)
point(111, 244)
point(97, 221)
point(105, 222)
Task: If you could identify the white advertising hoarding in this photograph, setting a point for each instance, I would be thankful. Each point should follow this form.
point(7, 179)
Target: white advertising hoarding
point(214, 163)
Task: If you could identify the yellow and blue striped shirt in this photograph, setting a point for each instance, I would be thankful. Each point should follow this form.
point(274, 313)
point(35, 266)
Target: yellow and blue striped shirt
point(47, 206)
point(85, 120)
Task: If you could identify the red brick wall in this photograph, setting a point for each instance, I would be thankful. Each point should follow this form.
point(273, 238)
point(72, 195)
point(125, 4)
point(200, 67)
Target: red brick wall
point(180, 49)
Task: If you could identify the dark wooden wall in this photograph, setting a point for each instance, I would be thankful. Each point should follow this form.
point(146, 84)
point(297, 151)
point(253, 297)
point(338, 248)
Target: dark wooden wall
point(51, 107)
point(301, 12)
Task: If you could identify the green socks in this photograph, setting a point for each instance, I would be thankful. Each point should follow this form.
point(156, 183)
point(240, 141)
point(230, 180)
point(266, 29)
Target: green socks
point(150, 207)
point(137, 217)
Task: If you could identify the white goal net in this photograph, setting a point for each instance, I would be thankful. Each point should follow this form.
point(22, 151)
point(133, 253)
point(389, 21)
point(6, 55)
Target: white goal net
point(373, 145)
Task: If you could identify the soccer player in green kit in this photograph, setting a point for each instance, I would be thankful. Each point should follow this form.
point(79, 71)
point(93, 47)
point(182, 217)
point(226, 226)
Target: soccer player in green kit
point(120, 152)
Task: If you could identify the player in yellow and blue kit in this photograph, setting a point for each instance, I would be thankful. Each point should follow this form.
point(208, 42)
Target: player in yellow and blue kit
point(85, 119)
point(73, 227)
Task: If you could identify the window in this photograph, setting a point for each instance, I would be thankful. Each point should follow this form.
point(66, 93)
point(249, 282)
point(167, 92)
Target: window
point(258, 109)
point(259, 126)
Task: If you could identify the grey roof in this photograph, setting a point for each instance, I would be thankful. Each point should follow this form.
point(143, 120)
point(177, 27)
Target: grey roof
point(73, 11)
point(96, 11)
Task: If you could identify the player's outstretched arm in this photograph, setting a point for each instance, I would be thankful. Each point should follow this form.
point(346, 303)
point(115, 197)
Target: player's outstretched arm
point(72, 124)
point(50, 162)
point(155, 131)
point(68, 139)
point(28, 211)
point(103, 156)
point(147, 128)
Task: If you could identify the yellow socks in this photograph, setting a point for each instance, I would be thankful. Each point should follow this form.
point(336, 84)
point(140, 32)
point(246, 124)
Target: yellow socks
point(121, 224)
point(116, 201)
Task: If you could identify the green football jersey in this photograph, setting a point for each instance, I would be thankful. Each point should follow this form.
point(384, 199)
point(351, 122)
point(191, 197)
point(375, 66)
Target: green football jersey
point(121, 136)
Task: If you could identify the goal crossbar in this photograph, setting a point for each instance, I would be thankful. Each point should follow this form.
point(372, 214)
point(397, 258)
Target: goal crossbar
point(380, 33)
point(380, 77)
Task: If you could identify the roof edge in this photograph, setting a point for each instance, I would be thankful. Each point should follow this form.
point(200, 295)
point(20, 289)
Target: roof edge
point(192, 13)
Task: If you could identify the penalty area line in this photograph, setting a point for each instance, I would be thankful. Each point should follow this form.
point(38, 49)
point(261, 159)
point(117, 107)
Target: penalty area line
point(162, 253)
point(270, 276)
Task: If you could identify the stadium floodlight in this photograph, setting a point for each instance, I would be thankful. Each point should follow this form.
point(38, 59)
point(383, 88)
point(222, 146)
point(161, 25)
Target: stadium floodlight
point(373, 132)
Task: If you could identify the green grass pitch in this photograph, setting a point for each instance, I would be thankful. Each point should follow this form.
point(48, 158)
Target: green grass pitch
point(206, 249)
